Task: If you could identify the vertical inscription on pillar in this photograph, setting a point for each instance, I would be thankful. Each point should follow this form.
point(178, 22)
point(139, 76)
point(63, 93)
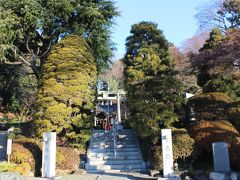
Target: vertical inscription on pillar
point(167, 153)
point(49, 155)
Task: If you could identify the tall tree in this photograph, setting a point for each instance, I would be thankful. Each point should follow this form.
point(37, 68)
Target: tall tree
point(66, 93)
point(152, 89)
point(217, 66)
point(223, 14)
point(32, 27)
point(215, 37)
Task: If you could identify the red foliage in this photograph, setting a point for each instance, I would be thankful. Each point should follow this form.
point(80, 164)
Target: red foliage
point(207, 132)
point(220, 59)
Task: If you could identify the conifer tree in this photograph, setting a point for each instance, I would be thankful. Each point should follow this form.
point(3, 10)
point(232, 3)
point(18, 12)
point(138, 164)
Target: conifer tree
point(66, 92)
point(153, 92)
point(215, 37)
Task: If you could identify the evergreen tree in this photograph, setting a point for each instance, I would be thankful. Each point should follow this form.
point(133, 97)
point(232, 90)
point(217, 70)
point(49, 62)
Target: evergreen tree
point(30, 28)
point(66, 92)
point(215, 37)
point(217, 64)
point(153, 92)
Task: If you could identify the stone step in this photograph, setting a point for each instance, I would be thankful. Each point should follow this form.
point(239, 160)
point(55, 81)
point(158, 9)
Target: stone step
point(115, 162)
point(117, 136)
point(127, 140)
point(103, 146)
point(100, 133)
point(115, 167)
point(119, 157)
point(116, 171)
point(111, 154)
point(132, 149)
point(111, 142)
point(95, 135)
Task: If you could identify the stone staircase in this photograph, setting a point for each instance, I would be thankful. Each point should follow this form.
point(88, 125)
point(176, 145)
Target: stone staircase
point(3, 145)
point(103, 158)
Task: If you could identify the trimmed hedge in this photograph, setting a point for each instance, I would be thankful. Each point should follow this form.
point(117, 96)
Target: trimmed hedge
point(233, 113)
point(207, 132)
point(210, 106)
point(66, 91)
point(26, 150)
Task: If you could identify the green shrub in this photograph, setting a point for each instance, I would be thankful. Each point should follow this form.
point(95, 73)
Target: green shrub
point(60, 158)
point(224, 84)
point(20, 157)
point(183, 144)
point(6, 167)
point(11, 135)
point(67, 161)
point(28, 150)
point(23, 168)
point(156, 158)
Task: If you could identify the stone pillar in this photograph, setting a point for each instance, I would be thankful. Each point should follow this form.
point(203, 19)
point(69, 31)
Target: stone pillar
point(221, 157)
point(118, 108)
point(95, 120)
point(9, 149)
point(49, 155)
point(167, 153)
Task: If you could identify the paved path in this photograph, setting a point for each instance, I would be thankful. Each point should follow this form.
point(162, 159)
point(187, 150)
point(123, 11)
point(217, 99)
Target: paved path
point(105, 176)
point(3, 145)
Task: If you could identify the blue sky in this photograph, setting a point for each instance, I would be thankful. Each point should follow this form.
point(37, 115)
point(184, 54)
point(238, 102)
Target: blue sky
point(174, 17)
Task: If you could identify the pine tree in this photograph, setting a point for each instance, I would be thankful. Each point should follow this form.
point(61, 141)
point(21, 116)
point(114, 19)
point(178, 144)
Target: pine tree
point(66, 92)
point(215, 37)
point(153, 92)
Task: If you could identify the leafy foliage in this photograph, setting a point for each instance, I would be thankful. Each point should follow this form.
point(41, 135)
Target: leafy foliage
point(17, 89)
point(215, 37)
point(29, 151)
point(114, 77)
point(224, 84)
point(207, 132)
point(66, 93)
point(221, 14)
point(183, 148)
point(6, 167)
point(153, 92)
point(210, 106)
point(219, 64)
point(32, 26)
point(152, 89)
point(23, 169)
point(28, 31)
point(183, 144)
point(185, 73)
